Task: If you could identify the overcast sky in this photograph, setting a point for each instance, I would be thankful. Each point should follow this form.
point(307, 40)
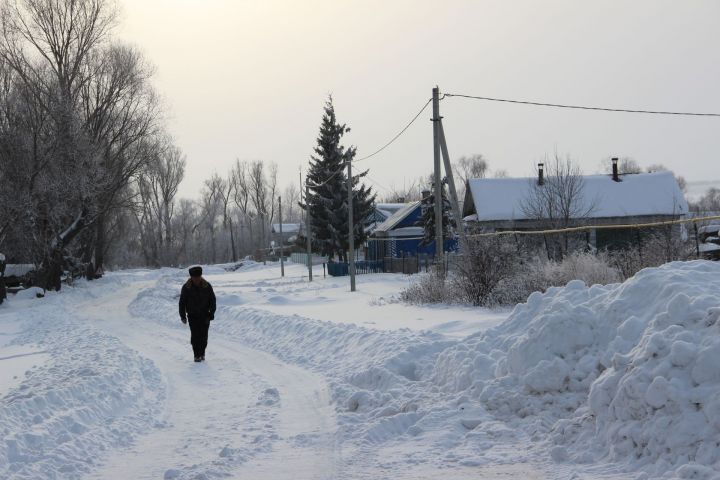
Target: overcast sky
point(248, 80)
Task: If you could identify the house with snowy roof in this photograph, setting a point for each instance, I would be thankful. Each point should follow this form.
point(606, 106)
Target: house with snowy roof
point(497, 204)
point(401, 235)
point(290, 232)
point(380, 213)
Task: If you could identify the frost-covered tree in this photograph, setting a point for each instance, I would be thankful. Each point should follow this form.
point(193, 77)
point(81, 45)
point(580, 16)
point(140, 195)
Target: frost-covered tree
point(558, 202)
point(327, 199)
point(84, 125)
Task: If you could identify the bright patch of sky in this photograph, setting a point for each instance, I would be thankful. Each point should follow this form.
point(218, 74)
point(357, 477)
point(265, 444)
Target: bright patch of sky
point(248, 79)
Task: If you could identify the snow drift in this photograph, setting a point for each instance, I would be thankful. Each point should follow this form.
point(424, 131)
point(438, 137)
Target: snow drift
point(633, 368)
point(94, 394)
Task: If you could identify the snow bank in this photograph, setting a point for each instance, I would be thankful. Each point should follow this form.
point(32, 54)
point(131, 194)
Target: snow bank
point(632, 368)
point(91, 393)
point(624, 374)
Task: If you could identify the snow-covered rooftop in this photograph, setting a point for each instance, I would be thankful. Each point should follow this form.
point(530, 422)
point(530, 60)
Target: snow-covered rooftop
point(18, 269)
point(397, 217)
point(640, 194)
point(286, 227)
point(712, 228)
point(388, 209)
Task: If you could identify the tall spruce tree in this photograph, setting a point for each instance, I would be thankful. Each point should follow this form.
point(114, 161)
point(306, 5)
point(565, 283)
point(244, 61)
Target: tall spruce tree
point(327, 199)
point(428, 217)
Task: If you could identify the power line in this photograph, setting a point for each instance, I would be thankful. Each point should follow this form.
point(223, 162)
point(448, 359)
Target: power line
point(597, 227)
point(337, 172)
point(378, 183)
point(396, 136)
point(344, 164)
point(581, 107)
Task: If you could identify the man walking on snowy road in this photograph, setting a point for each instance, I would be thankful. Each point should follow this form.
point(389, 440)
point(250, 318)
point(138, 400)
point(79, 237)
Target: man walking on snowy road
point(197, 305)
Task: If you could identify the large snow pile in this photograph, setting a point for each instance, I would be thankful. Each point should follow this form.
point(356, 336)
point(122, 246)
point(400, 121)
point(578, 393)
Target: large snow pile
point(627, 373)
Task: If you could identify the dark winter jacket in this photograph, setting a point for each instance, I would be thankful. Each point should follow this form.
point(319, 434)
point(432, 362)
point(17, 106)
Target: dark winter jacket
point(198, 303)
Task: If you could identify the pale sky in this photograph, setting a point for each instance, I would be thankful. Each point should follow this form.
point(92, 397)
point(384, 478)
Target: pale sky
point(248, 80)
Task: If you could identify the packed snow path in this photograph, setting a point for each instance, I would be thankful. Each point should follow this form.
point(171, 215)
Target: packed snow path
point(242, 410)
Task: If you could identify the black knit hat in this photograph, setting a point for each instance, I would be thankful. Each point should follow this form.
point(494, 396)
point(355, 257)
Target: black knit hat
point(195, 271)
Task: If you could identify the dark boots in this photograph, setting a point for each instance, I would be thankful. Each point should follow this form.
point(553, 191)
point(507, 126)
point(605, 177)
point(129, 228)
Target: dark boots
point(199, 337)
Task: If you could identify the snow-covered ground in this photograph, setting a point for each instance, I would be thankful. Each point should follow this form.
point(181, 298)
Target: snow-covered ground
point(307, 380)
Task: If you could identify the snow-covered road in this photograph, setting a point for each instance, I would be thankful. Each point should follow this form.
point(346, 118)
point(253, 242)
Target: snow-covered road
point(243, 412)
point(307, 381)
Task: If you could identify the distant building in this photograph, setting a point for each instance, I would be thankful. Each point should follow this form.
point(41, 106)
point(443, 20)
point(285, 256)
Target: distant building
point(290, 232)
point(380, 213)
point(401, 234)
point(496, 204)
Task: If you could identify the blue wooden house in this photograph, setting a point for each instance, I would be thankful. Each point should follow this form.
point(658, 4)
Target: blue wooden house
point(401, 234)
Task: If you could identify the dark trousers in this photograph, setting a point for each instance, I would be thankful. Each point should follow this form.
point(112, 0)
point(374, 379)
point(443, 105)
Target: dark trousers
point(199, 335)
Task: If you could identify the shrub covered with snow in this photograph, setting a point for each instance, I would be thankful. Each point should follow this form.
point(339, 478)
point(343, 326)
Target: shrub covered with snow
point(633, 368)
point(431, 287)
point(540, 274)
point(493, 276)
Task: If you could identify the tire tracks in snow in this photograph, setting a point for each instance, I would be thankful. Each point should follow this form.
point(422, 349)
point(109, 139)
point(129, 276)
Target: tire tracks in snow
point(243, 412)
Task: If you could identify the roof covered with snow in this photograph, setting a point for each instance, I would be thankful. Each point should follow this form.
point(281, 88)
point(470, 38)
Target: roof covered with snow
point(286, 228)
point(642, 194)
point(388, 209)
point(397, 217)
point(18, 269)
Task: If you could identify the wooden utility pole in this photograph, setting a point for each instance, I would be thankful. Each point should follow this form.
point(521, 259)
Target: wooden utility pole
point(439, 242)
point(351, 227)
point(282, 240)
point(453, 192)
point(307, 229)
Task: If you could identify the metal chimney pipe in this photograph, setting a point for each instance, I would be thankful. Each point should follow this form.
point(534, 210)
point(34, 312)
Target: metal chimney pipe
point(615, 175)
point(541, 174)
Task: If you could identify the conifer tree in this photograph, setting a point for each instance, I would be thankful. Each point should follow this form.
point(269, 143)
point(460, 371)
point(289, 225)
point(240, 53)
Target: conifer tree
point(428, 217)
point(327, 199)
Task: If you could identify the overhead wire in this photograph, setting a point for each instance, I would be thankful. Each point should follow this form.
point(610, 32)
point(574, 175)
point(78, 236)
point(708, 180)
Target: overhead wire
point(392, 140)
point(580, 107)
point(378, 183)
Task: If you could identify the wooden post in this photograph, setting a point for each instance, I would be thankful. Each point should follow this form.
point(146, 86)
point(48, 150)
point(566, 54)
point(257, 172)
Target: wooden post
point(453, 192)
point(282, 257)
point(307, 230)
point(439, 244)
point(351, 228)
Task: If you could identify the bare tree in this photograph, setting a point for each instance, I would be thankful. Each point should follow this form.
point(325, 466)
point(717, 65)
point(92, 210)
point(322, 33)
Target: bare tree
point(92, 117)
point(657, 167)
point(157, 186)
point(410, 192)
point(262, 194)
point(185, 222)
point(709, 202)
point(291, 198)
point(226, 188)
point(211, 206)
point(472, 166)
point(559, 200)
point(240, 178)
